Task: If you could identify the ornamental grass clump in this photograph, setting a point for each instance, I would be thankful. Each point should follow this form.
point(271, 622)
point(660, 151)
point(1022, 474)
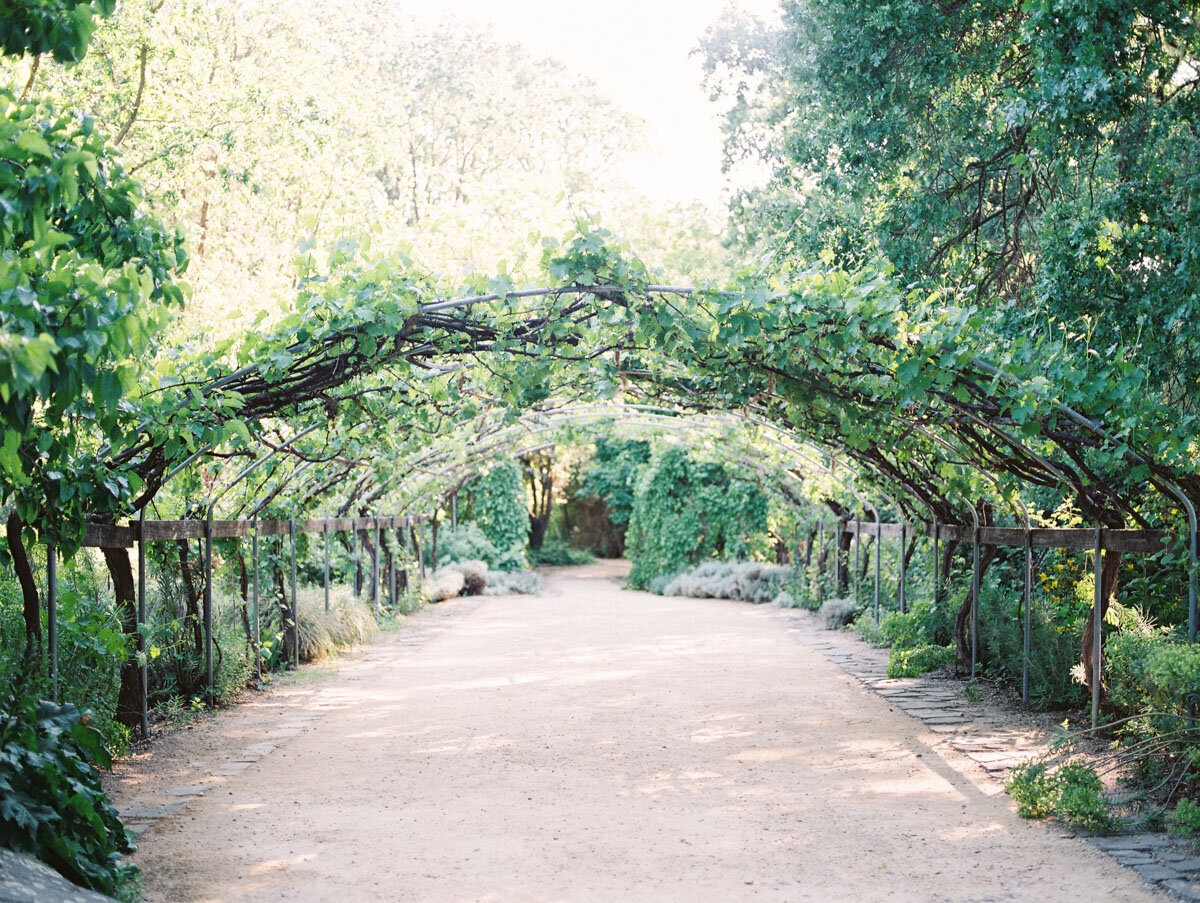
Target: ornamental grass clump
point(322, 634)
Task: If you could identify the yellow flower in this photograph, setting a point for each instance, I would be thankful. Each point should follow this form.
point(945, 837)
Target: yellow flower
point(1060, 567)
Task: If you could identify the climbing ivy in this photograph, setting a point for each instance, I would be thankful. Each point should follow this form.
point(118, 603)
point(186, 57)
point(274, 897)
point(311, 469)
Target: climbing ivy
point(498, 507)
point(686, 511)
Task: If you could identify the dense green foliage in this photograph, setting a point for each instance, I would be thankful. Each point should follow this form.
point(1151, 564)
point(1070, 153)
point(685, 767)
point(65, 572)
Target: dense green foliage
point(686, 511)
point(85, 284)
point(62, 28)
point(612, 475)
point(973, 287)
point(497, 506)
point(51, 802)
point(1042, 152)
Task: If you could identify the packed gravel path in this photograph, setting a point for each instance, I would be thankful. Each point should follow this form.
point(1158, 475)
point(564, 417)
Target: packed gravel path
point(596, 744)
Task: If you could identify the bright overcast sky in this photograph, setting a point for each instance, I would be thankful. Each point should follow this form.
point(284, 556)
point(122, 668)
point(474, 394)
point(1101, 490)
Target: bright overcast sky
point(637, 51)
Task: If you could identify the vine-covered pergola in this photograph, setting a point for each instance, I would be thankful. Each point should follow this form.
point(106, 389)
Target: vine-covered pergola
point(386, 396)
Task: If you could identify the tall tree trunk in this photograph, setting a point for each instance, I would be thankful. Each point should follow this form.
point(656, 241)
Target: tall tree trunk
point(909, 550)
point(808, 546)
point(539, 472)
point(32, 604)
point(129, 697)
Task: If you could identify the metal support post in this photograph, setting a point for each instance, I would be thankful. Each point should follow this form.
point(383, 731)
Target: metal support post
point(937, 564)
point(326, 556)
point(820, 552)
point(1097, 625)
point(208, 605)
point(1027, 615)
point(143, 621)
point(392, 580)
point(254, 595)
point(354, 570)
point(295, 607)
point(796, 555)
point(878, 556)
point(421, 552)
point(974, 598)
point(857, 557)
point(903, 568)
point(52, 617)
point(375, 574)
point(407, 540)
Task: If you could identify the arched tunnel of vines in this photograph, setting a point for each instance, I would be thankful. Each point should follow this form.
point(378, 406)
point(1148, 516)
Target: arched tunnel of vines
point(652, 452)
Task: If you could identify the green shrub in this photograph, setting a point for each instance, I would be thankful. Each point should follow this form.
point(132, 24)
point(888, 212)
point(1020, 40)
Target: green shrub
point(558, 554)
point(868, 629)
point(1072, 793)
point(497, 505)
point(687, 511)
point(1034, 790)
point(466, 542)
point(1056, 637)
point(914, 661)
point(1151, 672)
point(921, 626)
point(1081, 801)
point(744, 581)
point(1184, 819)
point(51, 803)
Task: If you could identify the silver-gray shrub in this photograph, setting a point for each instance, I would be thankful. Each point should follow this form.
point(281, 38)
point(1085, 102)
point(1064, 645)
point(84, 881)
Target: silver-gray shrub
point(744, 581)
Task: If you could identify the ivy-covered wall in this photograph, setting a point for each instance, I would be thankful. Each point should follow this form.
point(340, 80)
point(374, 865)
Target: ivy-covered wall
point(686, 511)
point(497, 505)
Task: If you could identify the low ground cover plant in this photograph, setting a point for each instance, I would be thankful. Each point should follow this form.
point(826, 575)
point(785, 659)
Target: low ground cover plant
point(51, 803)
point(744, 581)
point(473, 578)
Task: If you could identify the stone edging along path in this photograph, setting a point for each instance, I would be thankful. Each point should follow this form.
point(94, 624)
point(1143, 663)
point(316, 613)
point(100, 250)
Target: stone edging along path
point(993, 735)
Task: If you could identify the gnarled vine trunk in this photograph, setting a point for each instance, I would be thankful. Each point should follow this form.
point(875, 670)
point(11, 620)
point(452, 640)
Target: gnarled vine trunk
point(31, 601)
point(1110, 570)
point(962, 620)
point(191, 600)
point(129, 696)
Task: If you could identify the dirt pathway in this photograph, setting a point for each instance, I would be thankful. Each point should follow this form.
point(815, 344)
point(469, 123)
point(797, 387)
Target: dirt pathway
point(594, 744)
